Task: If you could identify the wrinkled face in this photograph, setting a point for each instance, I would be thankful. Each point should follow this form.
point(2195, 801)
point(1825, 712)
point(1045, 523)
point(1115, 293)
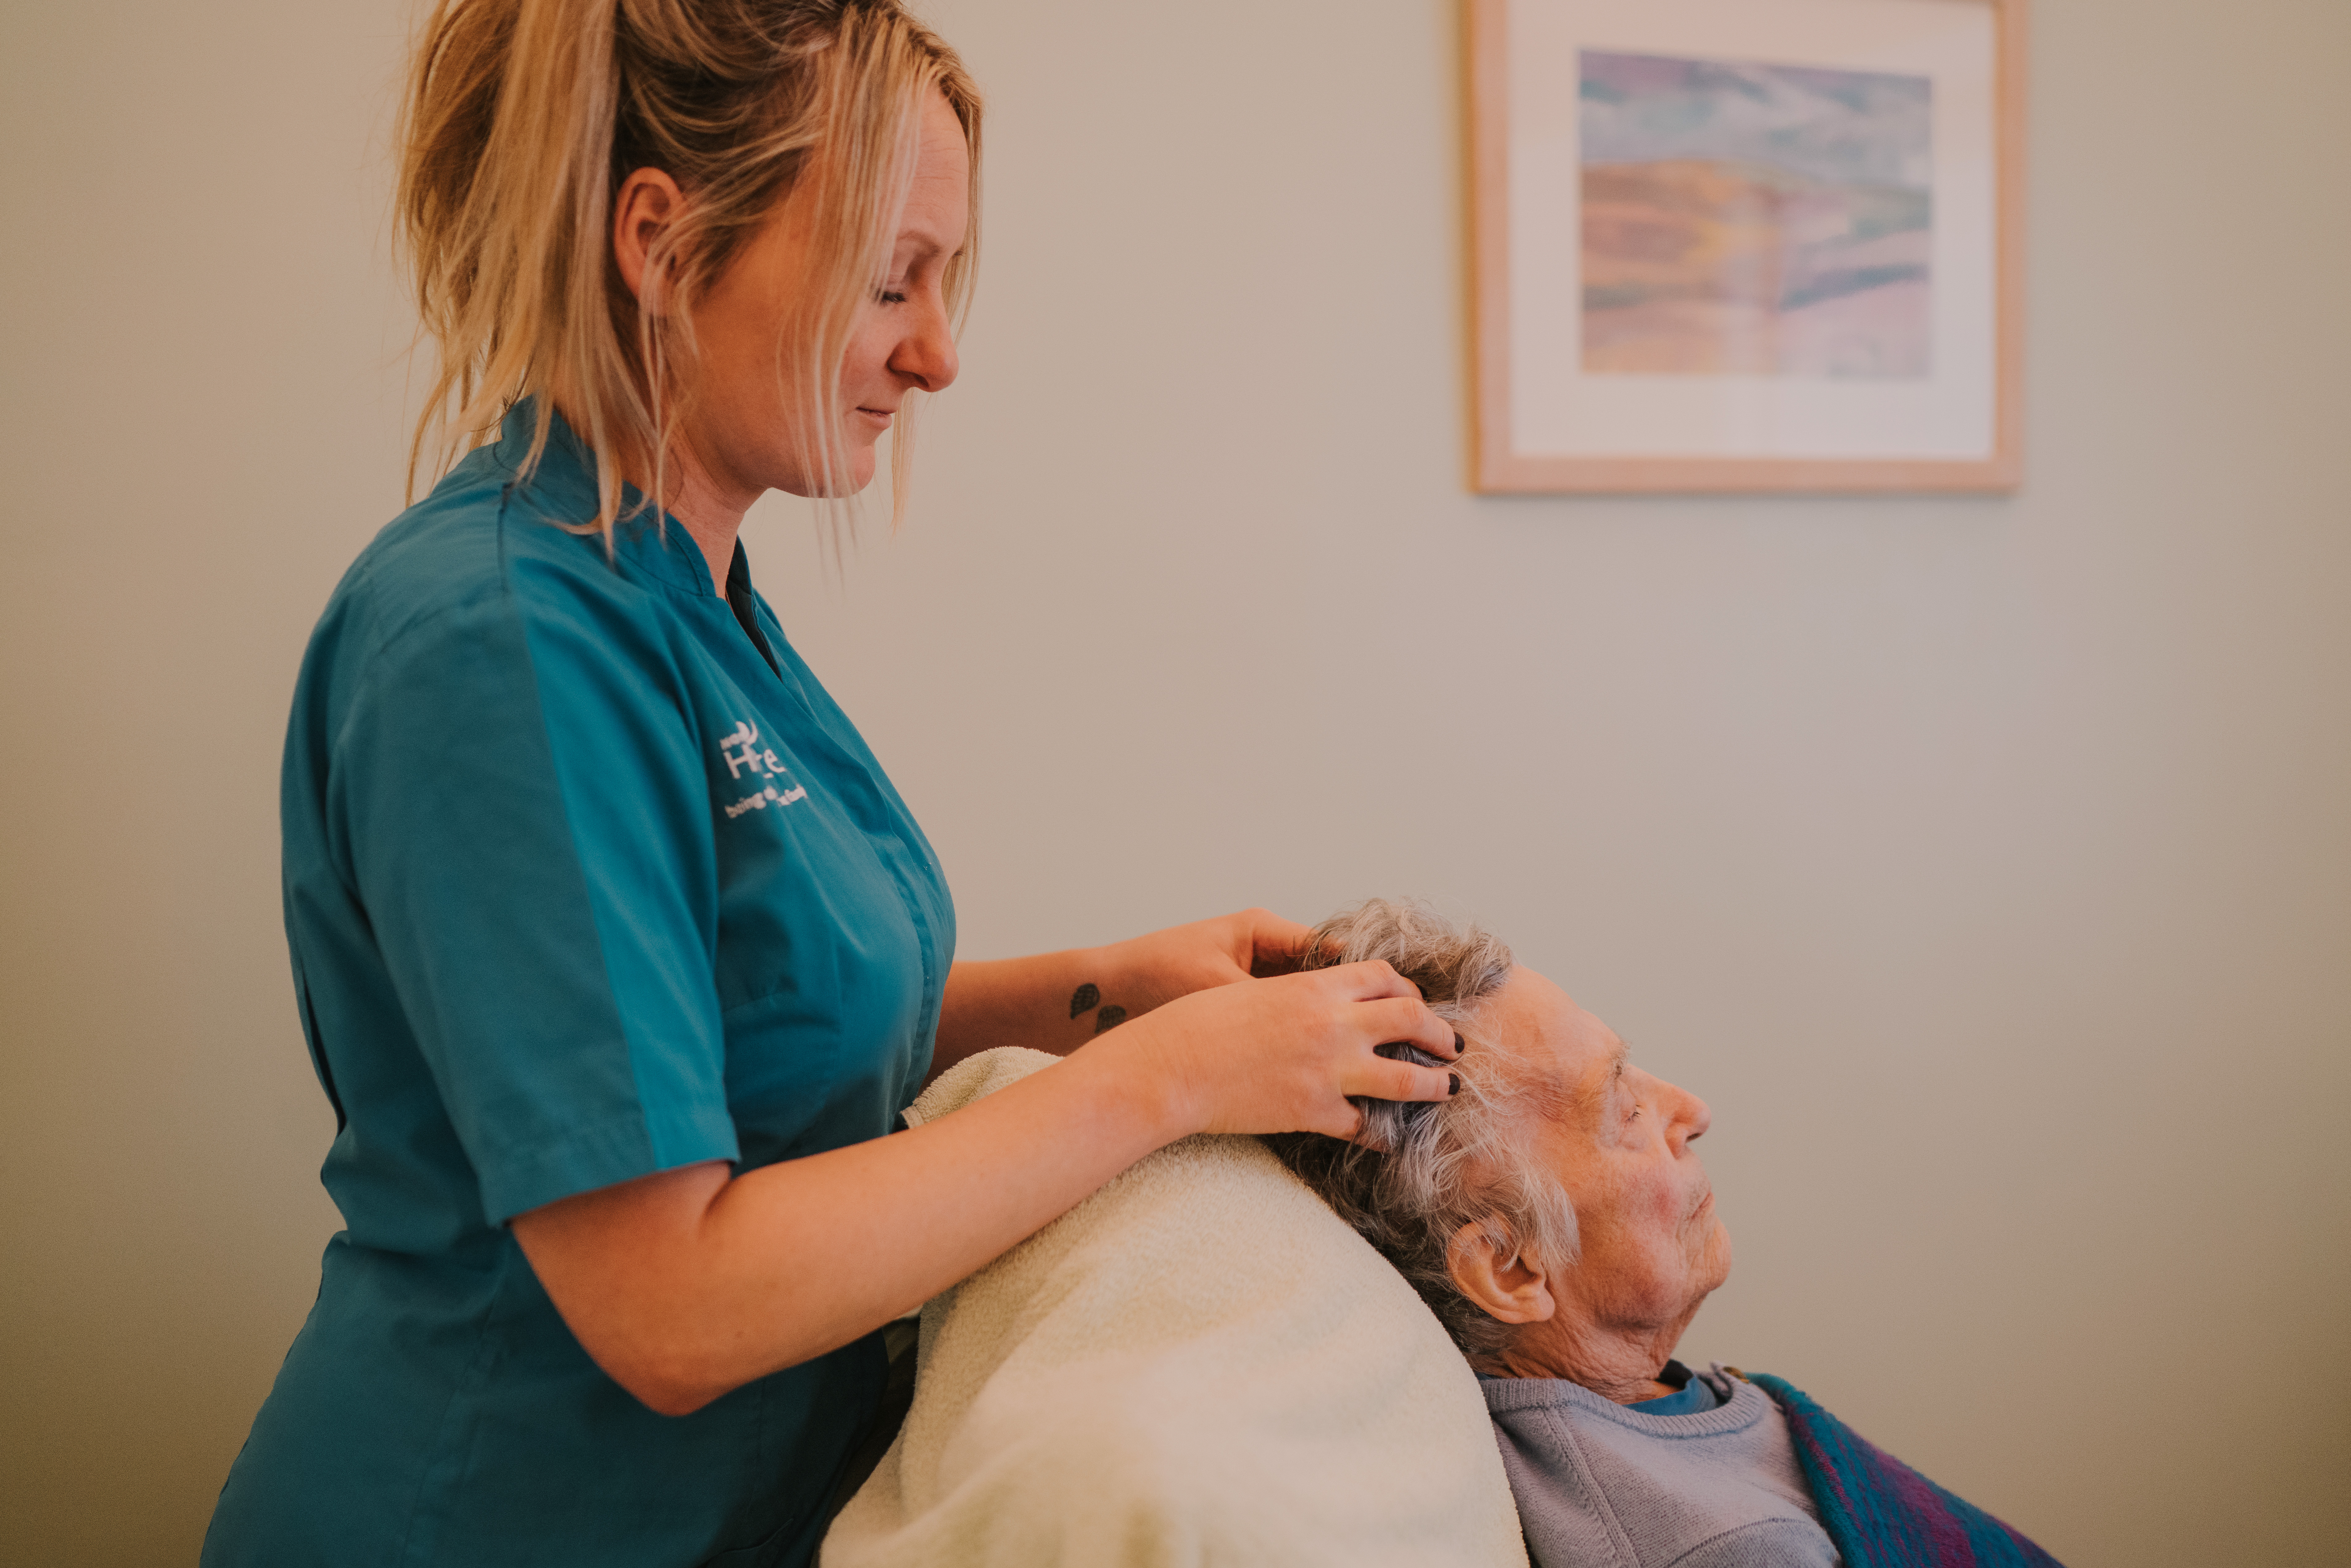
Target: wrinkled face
point(741, 425)
point(1652, 1247)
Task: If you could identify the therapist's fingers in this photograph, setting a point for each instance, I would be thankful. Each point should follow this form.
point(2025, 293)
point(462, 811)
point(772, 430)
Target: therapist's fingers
point(1378, 1078)
point(1282, 1054)
point(1408, 1019)
point(1250, 944)
point(1367, 981)
point(1277, 947)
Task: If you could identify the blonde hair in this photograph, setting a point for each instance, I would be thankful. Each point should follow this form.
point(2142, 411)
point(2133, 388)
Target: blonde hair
point(522, 119)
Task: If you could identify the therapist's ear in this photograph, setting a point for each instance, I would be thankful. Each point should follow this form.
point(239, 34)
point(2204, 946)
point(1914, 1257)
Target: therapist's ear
point(1511, 1289)
point(647, 202)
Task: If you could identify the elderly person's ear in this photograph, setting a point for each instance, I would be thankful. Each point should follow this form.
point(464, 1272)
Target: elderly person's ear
point(1507, 1285)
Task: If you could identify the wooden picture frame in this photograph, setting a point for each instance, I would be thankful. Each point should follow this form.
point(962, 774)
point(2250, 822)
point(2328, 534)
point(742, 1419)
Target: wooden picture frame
point(1665, 376)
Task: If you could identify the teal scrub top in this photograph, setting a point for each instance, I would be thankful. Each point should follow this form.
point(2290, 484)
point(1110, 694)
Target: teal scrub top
point(586, 877)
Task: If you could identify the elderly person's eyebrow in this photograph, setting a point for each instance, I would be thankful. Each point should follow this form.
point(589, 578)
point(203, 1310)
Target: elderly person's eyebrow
point(1593, 1096)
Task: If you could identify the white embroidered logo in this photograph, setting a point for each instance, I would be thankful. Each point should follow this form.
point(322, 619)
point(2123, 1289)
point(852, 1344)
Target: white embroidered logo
point(743, 754)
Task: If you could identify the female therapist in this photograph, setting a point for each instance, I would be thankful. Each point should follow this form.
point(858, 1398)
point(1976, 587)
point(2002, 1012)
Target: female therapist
point(617, 953)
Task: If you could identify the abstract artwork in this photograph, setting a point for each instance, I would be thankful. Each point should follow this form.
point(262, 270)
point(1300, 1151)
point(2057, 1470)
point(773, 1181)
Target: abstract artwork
point(1755, 219)
point(1747, 244)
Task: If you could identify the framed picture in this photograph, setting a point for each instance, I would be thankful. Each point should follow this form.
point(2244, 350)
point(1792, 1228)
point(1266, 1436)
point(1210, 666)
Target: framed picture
point(1747, 244)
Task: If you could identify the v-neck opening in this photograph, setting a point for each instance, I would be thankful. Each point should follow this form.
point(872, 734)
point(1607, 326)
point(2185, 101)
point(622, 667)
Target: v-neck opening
point(746, 607)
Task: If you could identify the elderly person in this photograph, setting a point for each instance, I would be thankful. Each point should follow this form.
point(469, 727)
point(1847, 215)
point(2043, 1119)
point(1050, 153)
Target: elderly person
point(1555, 1216)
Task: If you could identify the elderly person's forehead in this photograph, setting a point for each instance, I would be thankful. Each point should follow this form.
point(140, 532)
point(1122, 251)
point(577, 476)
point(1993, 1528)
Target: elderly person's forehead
point(1544, 1036)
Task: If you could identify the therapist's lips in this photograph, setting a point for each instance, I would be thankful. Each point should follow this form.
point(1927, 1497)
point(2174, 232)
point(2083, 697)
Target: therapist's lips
point(880, 416)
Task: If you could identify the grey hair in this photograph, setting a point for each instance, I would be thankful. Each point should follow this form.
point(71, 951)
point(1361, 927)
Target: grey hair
point(1417, 1172)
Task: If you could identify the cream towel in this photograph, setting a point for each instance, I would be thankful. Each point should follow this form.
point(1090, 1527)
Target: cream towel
point(1198, 1365)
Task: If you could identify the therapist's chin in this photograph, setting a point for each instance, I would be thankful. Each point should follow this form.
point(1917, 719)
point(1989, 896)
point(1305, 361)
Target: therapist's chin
point(862, 465)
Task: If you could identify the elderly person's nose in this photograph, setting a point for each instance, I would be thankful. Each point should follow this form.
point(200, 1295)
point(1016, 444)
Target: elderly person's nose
point(1691, 1116)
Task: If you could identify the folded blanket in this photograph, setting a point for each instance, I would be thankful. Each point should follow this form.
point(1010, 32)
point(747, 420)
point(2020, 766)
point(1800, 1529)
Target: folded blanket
point(1198, 1365)
point(1882, 1513)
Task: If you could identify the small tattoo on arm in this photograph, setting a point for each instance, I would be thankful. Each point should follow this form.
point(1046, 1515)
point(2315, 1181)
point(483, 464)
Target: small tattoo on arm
point(1109, 1018)
point(1084, 998)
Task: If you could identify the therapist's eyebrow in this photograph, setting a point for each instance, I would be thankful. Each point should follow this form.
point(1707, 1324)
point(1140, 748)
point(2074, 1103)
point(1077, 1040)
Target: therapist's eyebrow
point(919, 244)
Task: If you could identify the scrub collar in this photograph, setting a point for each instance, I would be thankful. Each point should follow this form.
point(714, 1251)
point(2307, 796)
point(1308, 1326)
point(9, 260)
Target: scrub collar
point(562, 490)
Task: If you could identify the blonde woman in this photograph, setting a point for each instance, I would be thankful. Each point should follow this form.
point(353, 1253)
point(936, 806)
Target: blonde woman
point(617, 953)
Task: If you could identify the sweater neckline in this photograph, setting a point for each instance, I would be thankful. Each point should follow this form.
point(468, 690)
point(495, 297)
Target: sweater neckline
point(1746, 1406)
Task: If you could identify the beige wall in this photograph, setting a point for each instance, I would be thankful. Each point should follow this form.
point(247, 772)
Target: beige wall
point(1983, 861)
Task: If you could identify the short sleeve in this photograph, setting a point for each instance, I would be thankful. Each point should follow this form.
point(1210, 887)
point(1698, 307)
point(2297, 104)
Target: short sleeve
point(526, 821)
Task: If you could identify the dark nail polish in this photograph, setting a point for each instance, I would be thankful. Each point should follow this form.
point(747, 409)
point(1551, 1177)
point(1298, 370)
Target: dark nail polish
point(1459, 1044)
point(1456, 1083)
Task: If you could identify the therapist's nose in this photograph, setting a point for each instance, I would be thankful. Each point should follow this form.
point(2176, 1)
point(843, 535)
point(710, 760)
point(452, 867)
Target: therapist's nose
point(926, 356)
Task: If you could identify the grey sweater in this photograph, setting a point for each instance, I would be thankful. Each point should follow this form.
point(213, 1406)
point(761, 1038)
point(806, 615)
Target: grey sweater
point(1598, 1484)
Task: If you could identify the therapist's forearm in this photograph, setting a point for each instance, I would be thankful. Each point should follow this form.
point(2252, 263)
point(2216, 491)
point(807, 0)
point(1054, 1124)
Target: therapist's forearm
point(689, 1284)
point(1052, 1001)
point(1058, 1001)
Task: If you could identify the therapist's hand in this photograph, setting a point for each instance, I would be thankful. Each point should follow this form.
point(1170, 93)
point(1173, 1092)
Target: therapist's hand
point(1146, 972)
point(1282, 1054)
point(1058, 1001)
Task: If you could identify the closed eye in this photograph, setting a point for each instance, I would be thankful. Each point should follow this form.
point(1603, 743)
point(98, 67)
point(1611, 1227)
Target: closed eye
point(1616, 1084)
